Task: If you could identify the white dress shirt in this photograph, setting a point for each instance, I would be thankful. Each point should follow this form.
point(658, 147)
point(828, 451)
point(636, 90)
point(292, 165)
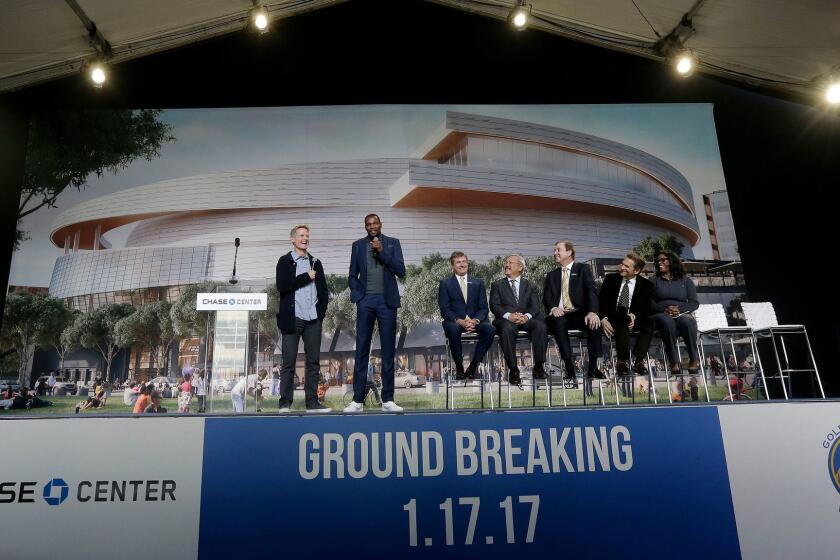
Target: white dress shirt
point(516, 282)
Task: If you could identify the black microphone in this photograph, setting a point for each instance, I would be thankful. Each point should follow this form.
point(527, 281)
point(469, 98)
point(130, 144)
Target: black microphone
point(375, 253)
point(233, 279)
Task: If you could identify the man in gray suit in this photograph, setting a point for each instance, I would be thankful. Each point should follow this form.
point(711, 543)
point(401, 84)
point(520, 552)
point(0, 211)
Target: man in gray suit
point(515, 306)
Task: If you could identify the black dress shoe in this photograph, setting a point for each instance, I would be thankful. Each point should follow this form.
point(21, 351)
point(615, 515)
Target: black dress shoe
point(597, 374)
point(539, 372)
point(459, 372)
point(621, 367)
point(570, 371)
point(472, 371)
point(640, 368)
point(514, 378)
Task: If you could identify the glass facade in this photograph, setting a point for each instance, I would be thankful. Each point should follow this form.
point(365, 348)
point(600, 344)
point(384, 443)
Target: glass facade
point(499, 153)
point(724, 226)
point(111, 271)
point(136, 298)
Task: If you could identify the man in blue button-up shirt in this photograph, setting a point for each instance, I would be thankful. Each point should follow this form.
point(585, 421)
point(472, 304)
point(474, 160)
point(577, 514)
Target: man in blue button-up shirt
point(303, 304)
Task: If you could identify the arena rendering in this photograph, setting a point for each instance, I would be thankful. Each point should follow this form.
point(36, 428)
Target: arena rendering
point(480, 184)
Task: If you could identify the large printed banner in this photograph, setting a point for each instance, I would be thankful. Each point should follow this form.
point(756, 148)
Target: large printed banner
point(589, 483)
point(750, 481)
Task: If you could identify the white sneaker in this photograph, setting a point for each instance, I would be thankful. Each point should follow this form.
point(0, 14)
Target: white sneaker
point(284, 410)
point(354, 407)
point(391, 406)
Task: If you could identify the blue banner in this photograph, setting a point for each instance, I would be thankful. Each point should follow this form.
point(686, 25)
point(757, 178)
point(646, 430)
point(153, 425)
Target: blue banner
point(644, 483)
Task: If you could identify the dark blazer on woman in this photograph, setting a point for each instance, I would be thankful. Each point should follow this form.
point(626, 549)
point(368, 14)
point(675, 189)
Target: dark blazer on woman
point(288, 282)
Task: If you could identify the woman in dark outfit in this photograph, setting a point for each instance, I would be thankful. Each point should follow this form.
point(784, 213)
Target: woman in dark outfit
point(674, 298)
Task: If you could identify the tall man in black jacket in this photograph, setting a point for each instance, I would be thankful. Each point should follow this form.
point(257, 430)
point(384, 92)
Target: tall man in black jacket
point(303, 303)
point(625, 305)
point(570, 299)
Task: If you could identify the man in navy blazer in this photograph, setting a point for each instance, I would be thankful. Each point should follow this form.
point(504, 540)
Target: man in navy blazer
point(570, 299)
point(463, 306)
point(376, 262)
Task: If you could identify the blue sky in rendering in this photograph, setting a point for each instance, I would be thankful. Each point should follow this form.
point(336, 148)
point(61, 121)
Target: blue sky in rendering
point(214, 140)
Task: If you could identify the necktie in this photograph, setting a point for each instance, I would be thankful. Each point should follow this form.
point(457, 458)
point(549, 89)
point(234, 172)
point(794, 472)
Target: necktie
point(624, 296)
point(463, 282)
point(515, 291)
point(564, 288)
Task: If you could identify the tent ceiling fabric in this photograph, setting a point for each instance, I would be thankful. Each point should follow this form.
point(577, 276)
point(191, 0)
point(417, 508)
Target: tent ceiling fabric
point(782, 44)
point(44, 39)
point(785, 44)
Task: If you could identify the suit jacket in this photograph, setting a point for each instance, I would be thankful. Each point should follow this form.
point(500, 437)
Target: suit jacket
point(452, 304)
point(641, 303)
point(288, 281)
point(582, 289)
point(503, 301)
point(391, 256)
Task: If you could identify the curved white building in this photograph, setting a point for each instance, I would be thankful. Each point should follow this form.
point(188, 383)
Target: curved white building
point(483, 185)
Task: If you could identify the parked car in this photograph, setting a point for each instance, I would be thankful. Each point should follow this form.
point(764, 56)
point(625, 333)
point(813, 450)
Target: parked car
point(409, 379)
point(63, 386)
point(160, 383)
point(9, 383)
point(223, 385)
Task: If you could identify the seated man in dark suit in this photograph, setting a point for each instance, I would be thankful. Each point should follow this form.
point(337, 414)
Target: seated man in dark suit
point(625, 305)
point(514, 303)
point(570, 299)
point(463, 306)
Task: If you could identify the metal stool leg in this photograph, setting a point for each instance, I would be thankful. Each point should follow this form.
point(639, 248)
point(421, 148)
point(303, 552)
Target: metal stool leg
point(779, 365)
point(725, 367)
point(652, 387)
point(813, 363)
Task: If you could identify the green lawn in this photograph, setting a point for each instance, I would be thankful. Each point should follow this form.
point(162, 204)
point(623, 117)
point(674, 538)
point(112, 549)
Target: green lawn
point(415, 400)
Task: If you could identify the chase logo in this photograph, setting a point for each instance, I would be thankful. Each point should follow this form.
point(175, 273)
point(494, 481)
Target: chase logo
point(231, 301)
point(56, 491)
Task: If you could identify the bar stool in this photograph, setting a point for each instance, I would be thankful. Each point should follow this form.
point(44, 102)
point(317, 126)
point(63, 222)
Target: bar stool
point(521, 335)
point(680, 377)
point(452, 383)
point(578, 335)
point(761, 318)
point(712, 323)
point(628, 380)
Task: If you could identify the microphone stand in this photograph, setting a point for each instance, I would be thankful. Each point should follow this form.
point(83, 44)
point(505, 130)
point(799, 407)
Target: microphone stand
point(233, 279)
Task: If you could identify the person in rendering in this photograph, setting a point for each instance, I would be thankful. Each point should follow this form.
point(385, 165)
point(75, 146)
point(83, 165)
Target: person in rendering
point(303, 304)
point(199, 384)
point(514, 303)
point(570, 299)
point(463, 306)
point(376, 262)
point(143, 400)
point(674, 299)
point(154, 406)
point(251, 386)
point(129, 394)
point(625, 304)
point(95, 401)
point(186, 393)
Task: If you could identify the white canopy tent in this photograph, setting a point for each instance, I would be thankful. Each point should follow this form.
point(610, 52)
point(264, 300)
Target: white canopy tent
point(783, 44)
